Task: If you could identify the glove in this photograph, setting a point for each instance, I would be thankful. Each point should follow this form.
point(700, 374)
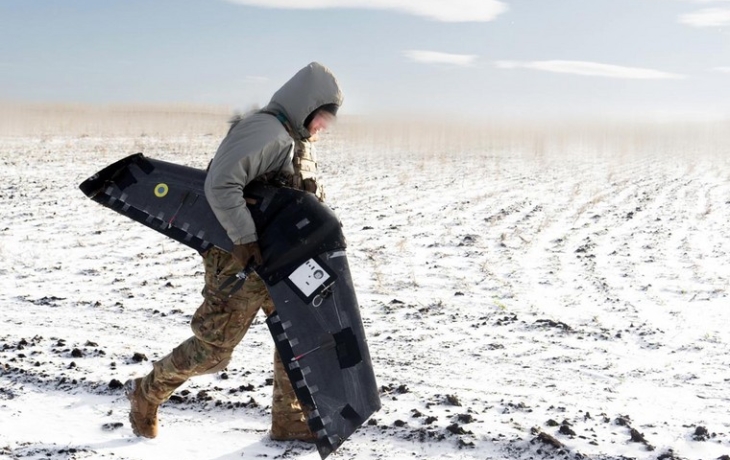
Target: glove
point(245, 253)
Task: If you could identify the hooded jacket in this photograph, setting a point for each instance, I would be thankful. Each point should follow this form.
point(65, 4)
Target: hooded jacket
point(260, 144)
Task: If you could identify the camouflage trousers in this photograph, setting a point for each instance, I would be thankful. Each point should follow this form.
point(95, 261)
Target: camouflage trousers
point(218, 326)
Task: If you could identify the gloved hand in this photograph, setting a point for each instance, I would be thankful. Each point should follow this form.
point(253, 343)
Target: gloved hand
point(247, 252)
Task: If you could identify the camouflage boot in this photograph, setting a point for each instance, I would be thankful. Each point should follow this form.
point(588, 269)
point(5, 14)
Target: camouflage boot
point(292, 431)
point(143, 414)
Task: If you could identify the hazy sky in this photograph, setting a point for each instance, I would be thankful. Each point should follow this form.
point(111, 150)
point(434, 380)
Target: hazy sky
point(449, 57)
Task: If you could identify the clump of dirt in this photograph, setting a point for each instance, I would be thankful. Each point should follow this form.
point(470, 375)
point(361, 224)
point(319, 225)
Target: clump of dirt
point(453, 400)
point(701, 434)
point(547, 439)
point(394, 388)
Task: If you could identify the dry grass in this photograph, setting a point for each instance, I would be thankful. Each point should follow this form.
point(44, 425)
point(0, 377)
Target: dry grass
point(430, 138)
point(77, 120)
point(452, 144)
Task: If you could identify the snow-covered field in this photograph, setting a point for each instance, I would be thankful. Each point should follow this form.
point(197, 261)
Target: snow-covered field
point(535, 294)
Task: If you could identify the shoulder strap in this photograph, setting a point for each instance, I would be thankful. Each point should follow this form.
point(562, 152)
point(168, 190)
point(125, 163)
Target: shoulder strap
point(283, 120)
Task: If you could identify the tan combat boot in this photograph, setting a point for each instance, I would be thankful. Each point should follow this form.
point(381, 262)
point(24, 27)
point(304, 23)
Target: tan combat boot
point(143, 415)
point(296, 431)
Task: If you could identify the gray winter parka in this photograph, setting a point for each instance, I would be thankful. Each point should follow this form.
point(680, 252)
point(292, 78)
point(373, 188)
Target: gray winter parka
point(260, 144)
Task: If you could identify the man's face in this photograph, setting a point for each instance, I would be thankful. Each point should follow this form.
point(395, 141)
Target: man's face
point(321, 121)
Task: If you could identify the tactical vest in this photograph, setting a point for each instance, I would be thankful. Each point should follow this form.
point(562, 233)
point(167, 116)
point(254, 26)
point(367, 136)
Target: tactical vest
point(305, 169)
point(305, 166)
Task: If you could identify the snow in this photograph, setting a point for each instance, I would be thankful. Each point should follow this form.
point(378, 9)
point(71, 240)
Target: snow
point(512, 289)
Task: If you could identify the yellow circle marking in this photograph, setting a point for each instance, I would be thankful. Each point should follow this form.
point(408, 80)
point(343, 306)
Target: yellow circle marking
point(161, 190)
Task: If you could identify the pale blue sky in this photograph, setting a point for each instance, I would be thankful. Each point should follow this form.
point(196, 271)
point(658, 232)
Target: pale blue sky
point(461, 57)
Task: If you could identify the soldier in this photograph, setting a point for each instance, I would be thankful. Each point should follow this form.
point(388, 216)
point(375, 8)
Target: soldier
point(272, 145)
